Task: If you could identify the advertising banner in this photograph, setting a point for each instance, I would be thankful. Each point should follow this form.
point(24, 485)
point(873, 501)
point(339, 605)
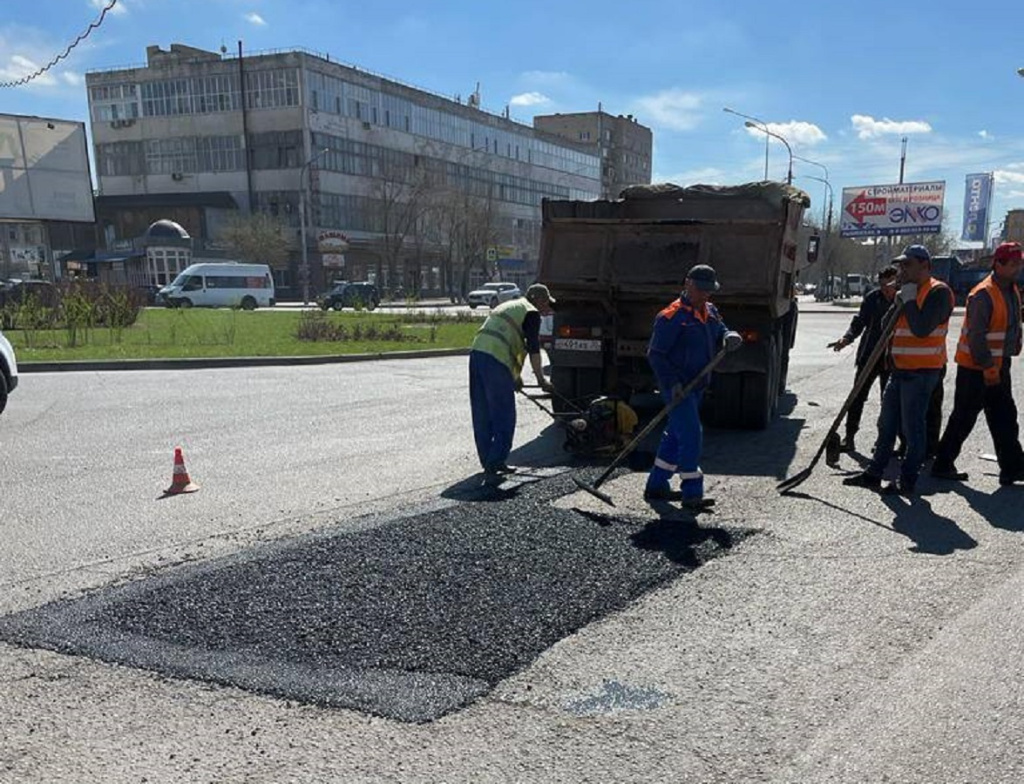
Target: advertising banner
point(890, 210)
point(44, 170)
point(977, 203)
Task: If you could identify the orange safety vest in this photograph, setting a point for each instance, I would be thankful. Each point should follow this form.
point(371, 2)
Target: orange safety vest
point(910, 352)
point(995, 335)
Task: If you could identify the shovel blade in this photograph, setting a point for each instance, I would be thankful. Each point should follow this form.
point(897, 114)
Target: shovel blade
point(593, 491)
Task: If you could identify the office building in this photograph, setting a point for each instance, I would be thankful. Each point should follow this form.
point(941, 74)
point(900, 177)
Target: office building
point(623, 144)
point(405, 187)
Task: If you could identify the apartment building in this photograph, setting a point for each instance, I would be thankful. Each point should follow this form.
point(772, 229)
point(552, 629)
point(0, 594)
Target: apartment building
point(622, 143)
point(351, 151)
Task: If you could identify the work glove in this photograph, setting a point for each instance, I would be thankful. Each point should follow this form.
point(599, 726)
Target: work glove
point(732, 340)
point(991, 376)
point(908, 292)
point(839, 345)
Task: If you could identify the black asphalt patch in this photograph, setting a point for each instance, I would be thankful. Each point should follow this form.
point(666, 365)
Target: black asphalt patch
point(410, 619)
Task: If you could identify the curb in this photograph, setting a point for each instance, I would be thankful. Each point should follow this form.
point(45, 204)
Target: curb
point(228, 362)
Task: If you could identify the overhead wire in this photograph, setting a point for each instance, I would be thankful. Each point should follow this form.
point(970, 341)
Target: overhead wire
point(67, 50)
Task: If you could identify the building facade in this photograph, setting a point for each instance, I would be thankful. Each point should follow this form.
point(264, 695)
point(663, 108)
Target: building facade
point(623, 144)
point(1013, 227)
point(429, 193)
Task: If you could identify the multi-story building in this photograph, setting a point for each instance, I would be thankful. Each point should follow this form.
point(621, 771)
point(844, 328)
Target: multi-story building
point(1013, 227)
point(427, 192)
point(623, 144)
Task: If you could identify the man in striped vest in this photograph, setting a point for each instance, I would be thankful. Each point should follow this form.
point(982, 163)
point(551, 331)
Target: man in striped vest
point(990, 335)
point(510, 334)
point(917, 355)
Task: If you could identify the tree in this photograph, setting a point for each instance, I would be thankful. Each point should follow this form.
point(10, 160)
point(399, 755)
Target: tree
point(258, 237)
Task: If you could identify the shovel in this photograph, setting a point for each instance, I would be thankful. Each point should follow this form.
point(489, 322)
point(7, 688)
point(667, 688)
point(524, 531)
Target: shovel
point(626, 450)
point(830, 444)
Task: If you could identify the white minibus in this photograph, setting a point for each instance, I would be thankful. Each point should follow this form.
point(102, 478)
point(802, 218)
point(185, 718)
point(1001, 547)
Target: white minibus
point(228, 284)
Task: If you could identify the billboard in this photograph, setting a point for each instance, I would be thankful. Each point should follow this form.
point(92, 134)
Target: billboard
point(44, 170)
point(977, 203)
point(889, 210)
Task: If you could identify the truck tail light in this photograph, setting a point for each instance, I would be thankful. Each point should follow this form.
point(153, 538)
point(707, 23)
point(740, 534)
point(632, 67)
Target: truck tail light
point(566, 331)
point(750, 335)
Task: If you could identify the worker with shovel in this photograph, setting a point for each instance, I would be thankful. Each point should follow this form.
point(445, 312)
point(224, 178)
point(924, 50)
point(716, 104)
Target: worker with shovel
point(687, 336)
point(510, 334)
point(917, 356)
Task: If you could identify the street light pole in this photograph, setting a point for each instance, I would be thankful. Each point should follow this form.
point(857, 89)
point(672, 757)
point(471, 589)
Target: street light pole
point(302, 225)
point(828, 185)
point(768, 132)
point(827, 224)
point(764, 125)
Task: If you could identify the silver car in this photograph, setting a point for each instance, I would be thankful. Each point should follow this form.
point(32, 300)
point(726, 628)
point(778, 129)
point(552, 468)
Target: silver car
point(8, 371)
point(493, 294)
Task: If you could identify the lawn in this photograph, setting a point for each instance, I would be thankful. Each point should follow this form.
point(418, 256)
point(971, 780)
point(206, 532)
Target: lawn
point(162, 333)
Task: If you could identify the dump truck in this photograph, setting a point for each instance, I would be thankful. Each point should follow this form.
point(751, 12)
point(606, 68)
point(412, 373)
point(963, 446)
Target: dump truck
point(612, 265)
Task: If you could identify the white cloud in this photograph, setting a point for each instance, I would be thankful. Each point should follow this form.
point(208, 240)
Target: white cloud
point(1014, 177)
point(868, 127)
point(254, 18)
point(985, 135)
point(674, 109)
point(794, 132)
point(529, 99)
point(19, 66)
point(99, 5)
point(546, 77)
point(73, 78)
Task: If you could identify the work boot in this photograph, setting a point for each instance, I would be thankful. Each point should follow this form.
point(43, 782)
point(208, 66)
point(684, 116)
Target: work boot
point(492, 478)
point(696, 504)
point(948, 471)
point(662, 494)
point(504, 468)
point(847, 446)
point(864, 480)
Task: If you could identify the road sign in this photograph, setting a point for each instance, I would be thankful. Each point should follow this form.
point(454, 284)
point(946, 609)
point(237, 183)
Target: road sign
point(888, 210)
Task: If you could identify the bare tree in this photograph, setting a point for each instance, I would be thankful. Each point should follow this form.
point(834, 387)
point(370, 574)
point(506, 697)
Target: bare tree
point(258, 237)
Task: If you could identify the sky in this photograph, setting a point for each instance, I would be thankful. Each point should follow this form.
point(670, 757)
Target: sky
point(842, 82)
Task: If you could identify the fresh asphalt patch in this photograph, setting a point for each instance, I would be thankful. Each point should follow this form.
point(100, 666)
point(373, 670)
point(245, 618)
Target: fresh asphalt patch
point(409, 618)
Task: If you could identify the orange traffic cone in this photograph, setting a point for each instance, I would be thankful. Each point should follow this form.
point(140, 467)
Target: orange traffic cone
point(180, 482)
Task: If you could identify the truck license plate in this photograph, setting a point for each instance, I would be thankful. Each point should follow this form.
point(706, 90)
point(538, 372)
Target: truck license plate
point(577, 344)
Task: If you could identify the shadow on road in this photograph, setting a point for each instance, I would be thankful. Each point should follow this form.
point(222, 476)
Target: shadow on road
point(1000, 509)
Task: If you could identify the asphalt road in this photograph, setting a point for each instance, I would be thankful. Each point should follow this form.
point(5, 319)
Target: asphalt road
point(837, 635)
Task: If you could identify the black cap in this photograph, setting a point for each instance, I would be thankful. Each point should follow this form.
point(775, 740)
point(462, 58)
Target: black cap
point(704, 277)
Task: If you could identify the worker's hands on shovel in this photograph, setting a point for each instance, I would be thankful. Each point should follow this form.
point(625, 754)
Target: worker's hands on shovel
point(732, 340)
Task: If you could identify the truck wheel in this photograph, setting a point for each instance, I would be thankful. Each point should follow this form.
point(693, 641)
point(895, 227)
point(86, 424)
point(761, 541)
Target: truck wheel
point(759, 399)
point(248, 303)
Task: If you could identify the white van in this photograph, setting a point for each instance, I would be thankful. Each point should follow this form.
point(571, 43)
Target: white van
point(227, 284)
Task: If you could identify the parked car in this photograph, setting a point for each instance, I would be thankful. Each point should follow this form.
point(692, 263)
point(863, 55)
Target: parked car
point(493, 294)
point(15, 292)
point(345, 294)
point(8, 371)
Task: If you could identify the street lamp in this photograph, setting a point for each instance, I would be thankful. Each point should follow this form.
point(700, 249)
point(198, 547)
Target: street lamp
point(302, 224)
point(824, 168)
point(827, 224)
point(763, 124)
point(769, 132)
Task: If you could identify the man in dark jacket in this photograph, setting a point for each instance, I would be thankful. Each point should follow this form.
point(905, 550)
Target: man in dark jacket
point(867, 322)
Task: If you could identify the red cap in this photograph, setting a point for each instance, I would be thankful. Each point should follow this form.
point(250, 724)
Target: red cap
point(1008, 251)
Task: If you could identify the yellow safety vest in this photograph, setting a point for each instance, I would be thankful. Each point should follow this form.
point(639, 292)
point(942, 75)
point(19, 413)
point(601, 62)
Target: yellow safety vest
point(995, 336)
point(502, 337)
point(910, 352)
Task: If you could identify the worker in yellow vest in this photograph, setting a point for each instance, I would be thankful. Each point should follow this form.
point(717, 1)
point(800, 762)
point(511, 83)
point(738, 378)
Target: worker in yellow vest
point(917, 356)
point(510, 334)
point(990, 335)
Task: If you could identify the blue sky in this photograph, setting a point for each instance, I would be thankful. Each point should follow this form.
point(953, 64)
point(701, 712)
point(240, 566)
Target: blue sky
point(842, 85)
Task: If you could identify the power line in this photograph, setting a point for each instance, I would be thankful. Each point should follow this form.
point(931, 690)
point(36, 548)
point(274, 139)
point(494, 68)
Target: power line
point(66, 52)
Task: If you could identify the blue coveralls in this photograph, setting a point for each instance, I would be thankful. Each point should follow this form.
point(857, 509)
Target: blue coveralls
point(683, 341)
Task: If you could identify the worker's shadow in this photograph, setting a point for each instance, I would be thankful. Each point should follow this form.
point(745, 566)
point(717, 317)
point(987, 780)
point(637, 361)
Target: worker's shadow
point(931, 533)
point(686, 545)
point(915, 519)
point(1000, 509)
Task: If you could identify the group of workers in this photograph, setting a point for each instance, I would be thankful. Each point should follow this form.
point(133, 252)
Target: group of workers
point(685, 337)
point(914, 365)
point(689, 332)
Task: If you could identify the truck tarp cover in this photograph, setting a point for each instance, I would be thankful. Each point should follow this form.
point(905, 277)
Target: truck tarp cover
point(653, 234)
